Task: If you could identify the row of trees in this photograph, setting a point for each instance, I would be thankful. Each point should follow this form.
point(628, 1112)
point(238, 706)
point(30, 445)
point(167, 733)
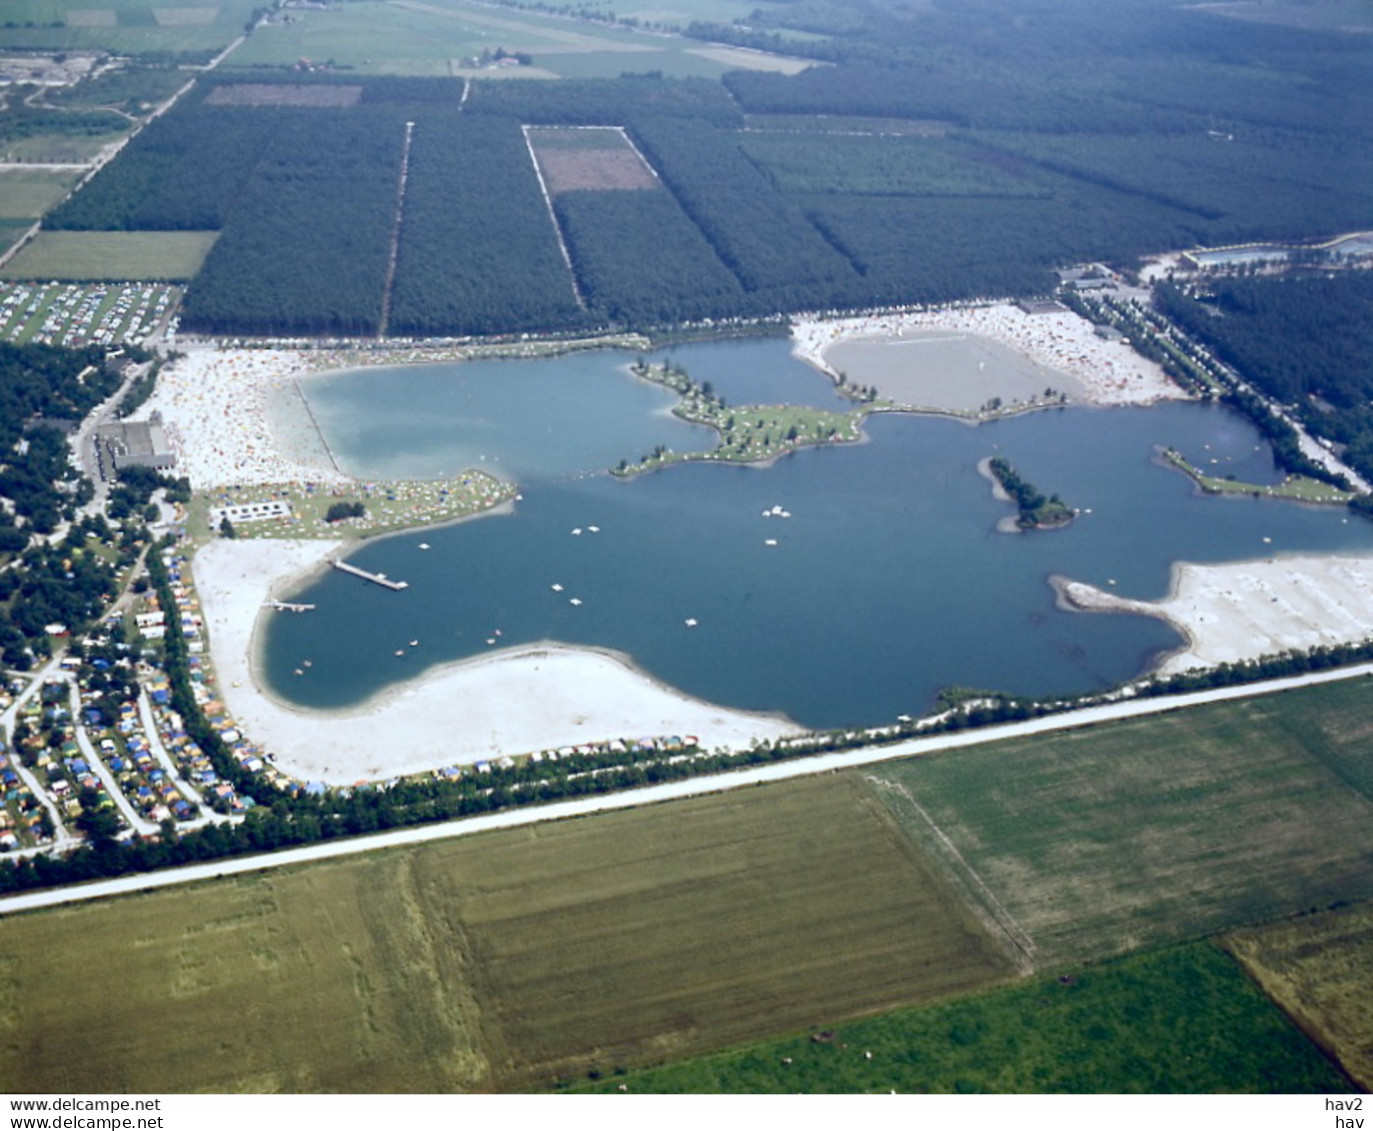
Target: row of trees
point(1302, 341)
point(282, 820)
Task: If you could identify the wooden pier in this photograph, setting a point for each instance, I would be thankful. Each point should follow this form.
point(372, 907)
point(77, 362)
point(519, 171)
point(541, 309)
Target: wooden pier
point(378, 578)
point(289, 606)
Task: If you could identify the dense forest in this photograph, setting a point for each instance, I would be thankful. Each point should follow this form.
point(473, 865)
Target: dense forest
point(1304, 341)
point(757, 232)
point(936, 152)
point(478, 251)
point(309, 247)
point(639, 259)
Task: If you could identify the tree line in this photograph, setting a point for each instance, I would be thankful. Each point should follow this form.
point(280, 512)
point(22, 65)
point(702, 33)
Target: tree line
point(1303, 341)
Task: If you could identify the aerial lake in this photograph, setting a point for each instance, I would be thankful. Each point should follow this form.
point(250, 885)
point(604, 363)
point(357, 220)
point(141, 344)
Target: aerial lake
point(883, 580)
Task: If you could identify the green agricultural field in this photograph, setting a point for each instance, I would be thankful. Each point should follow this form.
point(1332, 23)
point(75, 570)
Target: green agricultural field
point(435, 38)
point(1319, 968)
point(58, 149)
point(330, 979)
point(11, 231)
point(111, 256)
point(1184, 1019)
point(510, 961)
point(1098, 841)
point(125, 27)
point(25, 194)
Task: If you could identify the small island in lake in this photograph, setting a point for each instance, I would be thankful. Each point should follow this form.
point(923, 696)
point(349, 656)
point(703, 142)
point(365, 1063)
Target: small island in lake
point(1036, 511)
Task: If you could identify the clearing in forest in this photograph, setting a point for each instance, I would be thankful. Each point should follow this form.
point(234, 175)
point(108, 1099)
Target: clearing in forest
point(589, 157)
point(283, 94)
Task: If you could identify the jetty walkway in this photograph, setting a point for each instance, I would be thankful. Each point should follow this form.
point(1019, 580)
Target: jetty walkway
point(378, 578)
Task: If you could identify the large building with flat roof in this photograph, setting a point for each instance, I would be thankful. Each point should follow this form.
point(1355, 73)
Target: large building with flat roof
point(139, 444)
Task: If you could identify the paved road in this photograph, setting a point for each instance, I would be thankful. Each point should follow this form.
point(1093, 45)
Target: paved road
point(715, 783)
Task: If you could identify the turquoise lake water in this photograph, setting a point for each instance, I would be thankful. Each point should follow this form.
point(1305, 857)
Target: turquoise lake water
point(887, 582)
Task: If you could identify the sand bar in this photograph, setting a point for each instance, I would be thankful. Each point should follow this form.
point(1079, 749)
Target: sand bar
point(1244, 610)
point(511, 702)
point(1062, 351)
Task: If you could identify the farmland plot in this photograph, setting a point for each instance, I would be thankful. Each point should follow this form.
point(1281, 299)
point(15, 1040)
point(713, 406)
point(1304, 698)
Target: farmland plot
point(507, 960)
point(1096, 842)
point(1319, 968)
point(328, 979)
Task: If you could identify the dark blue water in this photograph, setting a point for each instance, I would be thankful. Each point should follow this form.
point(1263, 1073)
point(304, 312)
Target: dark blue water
point(888, 581)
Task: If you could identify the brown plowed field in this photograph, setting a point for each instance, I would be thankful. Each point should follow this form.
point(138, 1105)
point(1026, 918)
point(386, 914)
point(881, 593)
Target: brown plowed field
point(566, 170)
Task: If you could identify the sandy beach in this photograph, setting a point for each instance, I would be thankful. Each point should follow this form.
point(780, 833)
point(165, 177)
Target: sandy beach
point(222, 412)
point(512, 702)
point(1066, 347)
point(1243, 610)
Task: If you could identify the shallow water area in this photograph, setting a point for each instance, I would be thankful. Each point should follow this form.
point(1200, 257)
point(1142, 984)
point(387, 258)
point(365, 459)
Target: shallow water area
point(947, 370)
point(523, 420)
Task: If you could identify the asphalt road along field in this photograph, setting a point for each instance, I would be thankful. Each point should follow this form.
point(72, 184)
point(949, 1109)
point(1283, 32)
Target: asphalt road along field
point(629, 799)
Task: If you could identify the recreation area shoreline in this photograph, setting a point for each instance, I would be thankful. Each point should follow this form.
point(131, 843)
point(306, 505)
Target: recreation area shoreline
point(547, 696)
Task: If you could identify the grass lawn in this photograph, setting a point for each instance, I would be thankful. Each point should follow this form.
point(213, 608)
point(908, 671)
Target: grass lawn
point(25, 194)
point(1184, 1019)
point(11, 231)
point(1298, 487)
point(510, 960)
point(390, 507)
point(1319, 968)
point(111, 256)
point(1108, 839)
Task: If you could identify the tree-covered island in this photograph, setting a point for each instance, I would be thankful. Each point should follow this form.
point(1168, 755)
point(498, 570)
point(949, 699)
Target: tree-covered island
point(1036, 511)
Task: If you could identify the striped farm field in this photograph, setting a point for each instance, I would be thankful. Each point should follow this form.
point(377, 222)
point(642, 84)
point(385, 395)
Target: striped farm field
point(111, 256)
point(515, 960)
point(1099, 841)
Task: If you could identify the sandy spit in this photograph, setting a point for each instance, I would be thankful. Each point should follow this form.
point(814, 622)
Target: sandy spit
point(1243, 610)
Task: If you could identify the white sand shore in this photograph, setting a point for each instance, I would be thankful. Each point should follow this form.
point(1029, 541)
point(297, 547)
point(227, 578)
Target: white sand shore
point(512, 702)
point(215, 404)
point(1243, 610)
point(1110, 371)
